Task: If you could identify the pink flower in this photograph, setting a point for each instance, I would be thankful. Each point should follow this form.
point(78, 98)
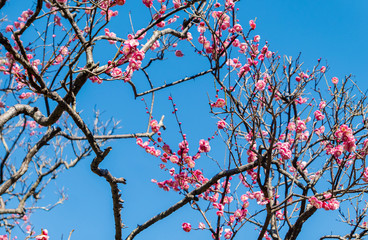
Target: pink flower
point(323, 69)
point(138, 55)
point(204, 146)
point(335, 80)
point(43, 236)
point(179, 53)
point(64, 50)
point(252, 24)
point(139, 32)
point(201, 27)
point(221, 124)
point(337, 151)
point(61, 1)
point(300, 126)
point(260, 85)
point(256, 38)
point(319, 130)
point(186, 227)
point(9, 28)
point(3, 237)
point(155, 45)
point(315, 202)
point(318, 115)
point(161, 24)
point(120, 2)
point(177, 3)
point(322, 105)
point(166, 148)
point(201, 226)
point(228, 233)
point(244, 70)
point(116, 73)
point(154, 126)
point(238, 28)
point(174, 159)
point(148, 3)
point(219, 103)
point(291, 126)
point(110, 34)
point(333, 204)
point(269, 54)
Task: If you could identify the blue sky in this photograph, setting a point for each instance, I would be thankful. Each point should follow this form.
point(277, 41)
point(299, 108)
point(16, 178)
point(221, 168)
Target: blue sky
point(333, 30)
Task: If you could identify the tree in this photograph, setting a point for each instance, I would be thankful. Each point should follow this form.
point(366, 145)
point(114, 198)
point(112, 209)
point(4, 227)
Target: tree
point(295, 138)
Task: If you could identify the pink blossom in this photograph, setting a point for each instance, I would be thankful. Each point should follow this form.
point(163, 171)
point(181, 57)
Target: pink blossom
point(202, 226)
point(256, 38)
point(323, 69)
point(116, 73)
point(333, 204)
point(322, 105)
point(61, 1)
point(204, 146)
point(319, 130)
point(148, 3)
point(174, 159)
point(166, 148)
point(161, 24)
point(120, 2)
point(301, 100)
point(228, 233)
point(260, 85)
point(154, 126)
point(95, 79)
point(337, 151)
point(64, 50)
point(221, 124)
point(139, 32)
point(201, 27)
point(335, 80)
point(59, 59)
point(300, 126)
point(269, 54)
point(177, 3)
point(318, 115)
point(280, 215)
point(2, 105)
point(155, 45)
point(186, 227)
point(219, 103)
point(172, 20)
point(291, 126)
point(134, 64)
point(3, 237)
point(238, 28)
point(252, 24)
point(244, 70)
point(43, 236)
point(179, 53)
point(110, 34)
point(26, 95)
point(138, 55)
point(9, 28)
point(315, 202)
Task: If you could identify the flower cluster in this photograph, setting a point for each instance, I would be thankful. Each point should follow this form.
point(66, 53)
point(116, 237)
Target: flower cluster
point(327, 204)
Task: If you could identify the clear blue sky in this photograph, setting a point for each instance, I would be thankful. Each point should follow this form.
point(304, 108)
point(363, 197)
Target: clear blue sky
point(333, 30)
